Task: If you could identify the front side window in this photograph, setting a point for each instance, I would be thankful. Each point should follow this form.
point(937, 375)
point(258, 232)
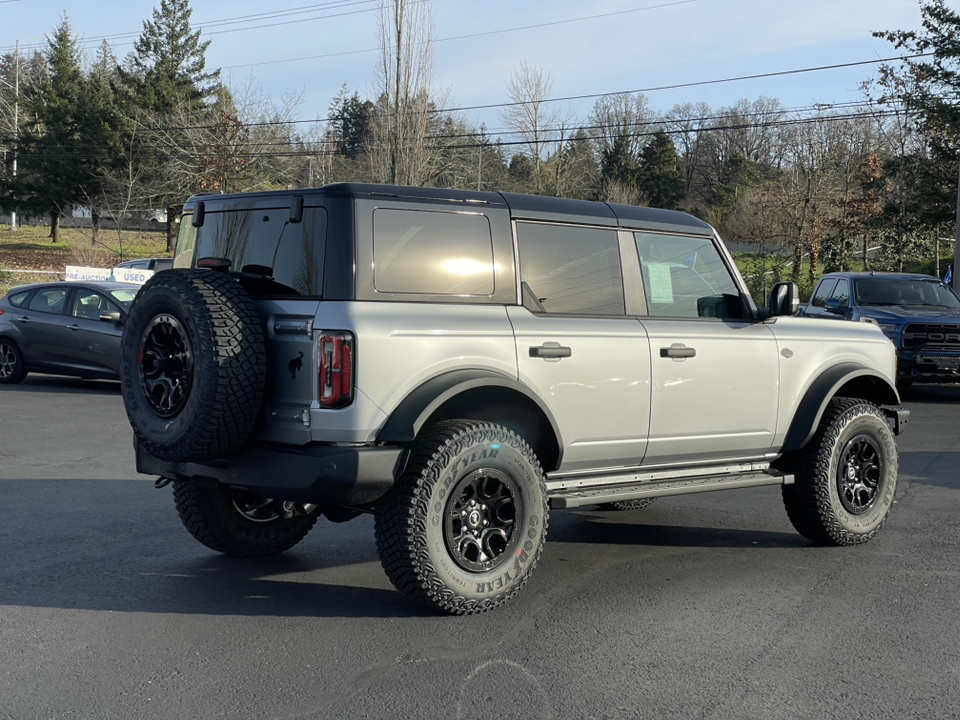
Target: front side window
point(88, 304)
point(842, 294)
point(49, 301)
point(824, 289)
point(571, 270)
point(432, 253)
point(686, 277)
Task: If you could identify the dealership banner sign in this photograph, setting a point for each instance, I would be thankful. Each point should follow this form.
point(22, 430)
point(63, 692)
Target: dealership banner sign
point(127, 275)
point(75, 272)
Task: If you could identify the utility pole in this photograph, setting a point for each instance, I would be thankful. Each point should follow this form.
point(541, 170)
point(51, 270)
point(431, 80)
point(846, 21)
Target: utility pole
point(955, 283)
point(16, 124)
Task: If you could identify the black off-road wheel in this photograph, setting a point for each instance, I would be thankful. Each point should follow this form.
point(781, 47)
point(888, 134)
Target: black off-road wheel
point(627, 504)
point(192, 365)
point(463, 528)
point(845, 477)
point(12, 369)
point(238, 523)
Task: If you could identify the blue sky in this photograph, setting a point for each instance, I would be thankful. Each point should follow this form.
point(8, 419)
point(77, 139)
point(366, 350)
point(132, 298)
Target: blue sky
point(633, 44)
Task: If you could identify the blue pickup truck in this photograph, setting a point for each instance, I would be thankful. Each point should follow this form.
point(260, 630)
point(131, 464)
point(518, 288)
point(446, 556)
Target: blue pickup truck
point(919, 313)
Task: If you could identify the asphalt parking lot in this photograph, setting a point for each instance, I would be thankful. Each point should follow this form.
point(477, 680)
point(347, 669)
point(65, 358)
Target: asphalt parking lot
point(706, 607)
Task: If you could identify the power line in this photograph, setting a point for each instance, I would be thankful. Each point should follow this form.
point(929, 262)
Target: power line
point(568, 98)
point(322, 7)
point(294, 152)
point(473, 35)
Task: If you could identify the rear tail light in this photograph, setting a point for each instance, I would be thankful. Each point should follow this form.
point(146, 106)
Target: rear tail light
point(336, 369)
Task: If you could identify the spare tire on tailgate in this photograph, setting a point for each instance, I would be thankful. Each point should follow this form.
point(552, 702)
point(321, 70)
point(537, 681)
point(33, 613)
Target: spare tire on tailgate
point(192, 365)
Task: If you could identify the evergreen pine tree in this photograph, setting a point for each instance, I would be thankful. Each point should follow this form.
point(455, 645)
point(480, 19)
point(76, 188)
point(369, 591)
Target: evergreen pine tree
point(659, 178)
point(168, 64)
point(53, 167)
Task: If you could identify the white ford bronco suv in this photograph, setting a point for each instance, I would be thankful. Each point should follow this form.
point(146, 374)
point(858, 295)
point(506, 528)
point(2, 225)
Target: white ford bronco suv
point(459, 363)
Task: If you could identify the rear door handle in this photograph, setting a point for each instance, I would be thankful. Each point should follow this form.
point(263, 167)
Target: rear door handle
point(73, 327)
point(551, 350)
point(678, 350)
point(23, 319)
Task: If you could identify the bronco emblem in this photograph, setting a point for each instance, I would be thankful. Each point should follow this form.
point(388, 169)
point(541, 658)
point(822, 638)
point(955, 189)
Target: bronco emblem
point(294, 365)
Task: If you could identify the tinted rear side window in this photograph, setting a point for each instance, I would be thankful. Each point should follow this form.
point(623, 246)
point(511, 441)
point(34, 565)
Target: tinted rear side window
point(573, 270)
point(432, 253)
point(293, 251)
point(49, 301)
point(17, 300)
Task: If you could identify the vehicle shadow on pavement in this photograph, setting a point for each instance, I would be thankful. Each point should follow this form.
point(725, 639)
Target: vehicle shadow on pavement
point(930, 393)
point(628, 528)
point(214, 586)
point(64, 385)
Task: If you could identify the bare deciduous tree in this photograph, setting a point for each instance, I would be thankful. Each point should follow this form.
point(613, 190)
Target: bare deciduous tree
point(534, 120)
point(399, 153)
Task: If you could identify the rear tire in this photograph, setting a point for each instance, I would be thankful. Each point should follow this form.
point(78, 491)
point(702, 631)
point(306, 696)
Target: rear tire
point(845, 477)
point(12, 369)
point(237, 523)
point(463, 528)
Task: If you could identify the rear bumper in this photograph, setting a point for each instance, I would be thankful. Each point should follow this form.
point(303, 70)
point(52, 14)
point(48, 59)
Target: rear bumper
point(321, 474)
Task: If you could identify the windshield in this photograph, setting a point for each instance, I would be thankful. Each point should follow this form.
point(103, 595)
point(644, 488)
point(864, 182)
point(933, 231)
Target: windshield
point(124, 296)
point(904, 291)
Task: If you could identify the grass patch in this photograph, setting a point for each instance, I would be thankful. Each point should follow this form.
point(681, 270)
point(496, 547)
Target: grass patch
point(29, 248)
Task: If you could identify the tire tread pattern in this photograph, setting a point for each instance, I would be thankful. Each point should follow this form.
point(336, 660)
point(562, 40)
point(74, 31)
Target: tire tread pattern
point(401, 523)
point(232, 345)
point(808, 501)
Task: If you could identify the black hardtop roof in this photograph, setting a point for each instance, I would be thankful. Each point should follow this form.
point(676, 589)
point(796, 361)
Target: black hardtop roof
point(531, 207)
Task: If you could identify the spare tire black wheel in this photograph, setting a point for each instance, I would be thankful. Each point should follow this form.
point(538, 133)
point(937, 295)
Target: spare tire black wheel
point(192, 365)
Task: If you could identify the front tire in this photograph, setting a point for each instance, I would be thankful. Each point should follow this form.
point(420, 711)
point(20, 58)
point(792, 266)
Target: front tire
point(845, 477)
point(237, 523)
point(464, 526)
point(12, 369)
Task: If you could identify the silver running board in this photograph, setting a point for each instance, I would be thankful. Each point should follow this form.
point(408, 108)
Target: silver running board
point(608, 490)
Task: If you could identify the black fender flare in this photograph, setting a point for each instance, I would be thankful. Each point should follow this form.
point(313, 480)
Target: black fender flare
point(408, 418)
point(811, 408)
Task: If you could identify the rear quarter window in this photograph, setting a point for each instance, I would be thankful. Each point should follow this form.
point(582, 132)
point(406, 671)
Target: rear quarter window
point(432, 253)
point(18, 299)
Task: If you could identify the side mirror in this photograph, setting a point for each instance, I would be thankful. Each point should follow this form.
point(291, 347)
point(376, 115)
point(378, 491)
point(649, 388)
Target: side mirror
point(832, 305)
point(111, 317)
point(784, 299)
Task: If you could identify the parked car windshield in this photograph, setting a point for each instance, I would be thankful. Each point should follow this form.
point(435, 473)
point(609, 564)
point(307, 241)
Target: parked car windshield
point(904, 291)
point(124, 296)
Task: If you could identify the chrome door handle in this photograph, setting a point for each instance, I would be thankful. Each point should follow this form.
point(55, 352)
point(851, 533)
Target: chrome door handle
point(678, 350)
point(23, 319)
point(73, 327)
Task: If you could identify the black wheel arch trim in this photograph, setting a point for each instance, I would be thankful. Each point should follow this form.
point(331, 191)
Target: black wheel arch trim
point(811, 408)
point(406, 421)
